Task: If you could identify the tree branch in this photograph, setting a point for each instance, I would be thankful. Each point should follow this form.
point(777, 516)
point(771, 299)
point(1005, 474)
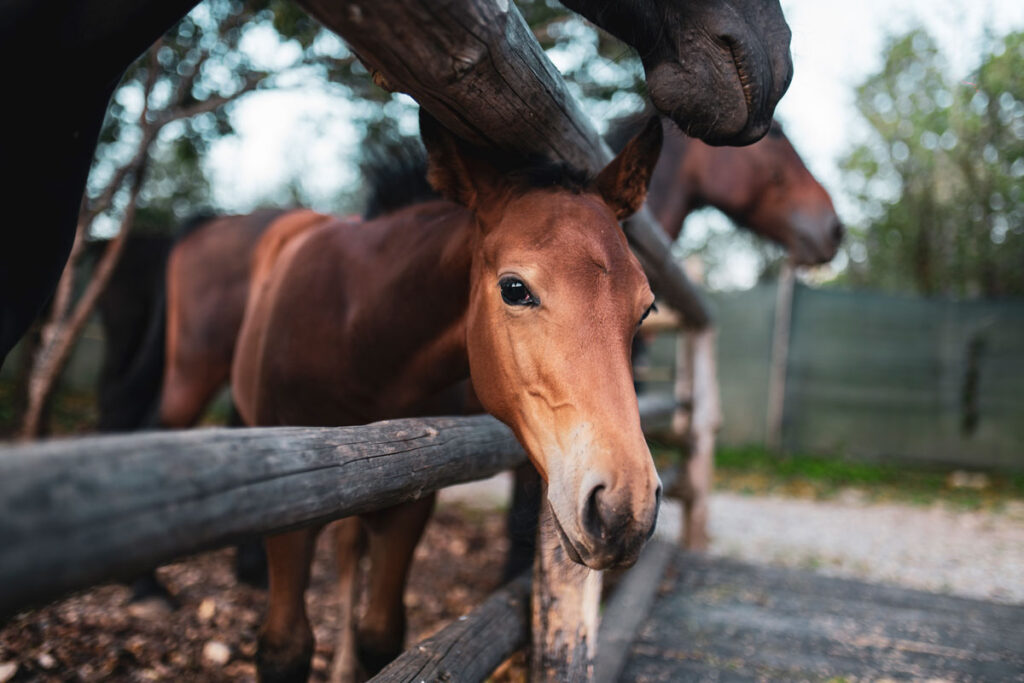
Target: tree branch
point(214, 102)
point(54, 356)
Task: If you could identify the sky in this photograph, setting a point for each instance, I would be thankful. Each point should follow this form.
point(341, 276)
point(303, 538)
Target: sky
point(836, 44)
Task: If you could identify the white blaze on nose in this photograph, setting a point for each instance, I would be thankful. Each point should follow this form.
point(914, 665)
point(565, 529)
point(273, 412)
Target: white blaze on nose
point(569, 457)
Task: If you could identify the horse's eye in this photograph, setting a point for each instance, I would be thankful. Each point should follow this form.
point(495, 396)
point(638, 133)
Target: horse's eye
point(515, 293)
point(650, 309)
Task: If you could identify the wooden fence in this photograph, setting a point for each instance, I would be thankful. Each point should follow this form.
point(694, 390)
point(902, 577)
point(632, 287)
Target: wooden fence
point(78, 511)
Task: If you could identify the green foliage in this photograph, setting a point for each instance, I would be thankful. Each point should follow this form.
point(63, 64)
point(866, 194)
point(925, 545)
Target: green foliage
point(939, 182)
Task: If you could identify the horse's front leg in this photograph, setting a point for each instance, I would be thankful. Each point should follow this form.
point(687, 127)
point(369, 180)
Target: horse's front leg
point(393, 535)
point(286, 640)
point(349, 545)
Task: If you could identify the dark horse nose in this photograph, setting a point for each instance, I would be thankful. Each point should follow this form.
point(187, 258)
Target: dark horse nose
point(837, 232)
point(613, 526)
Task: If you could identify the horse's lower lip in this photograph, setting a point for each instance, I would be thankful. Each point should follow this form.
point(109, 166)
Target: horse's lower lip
point(810, 253)
point(567, 545)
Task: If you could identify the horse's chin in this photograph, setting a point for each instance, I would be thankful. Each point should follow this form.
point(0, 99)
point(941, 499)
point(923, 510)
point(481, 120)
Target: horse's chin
point(598, 561)
point(806, 250)
point(567, 545)
point(709, 103)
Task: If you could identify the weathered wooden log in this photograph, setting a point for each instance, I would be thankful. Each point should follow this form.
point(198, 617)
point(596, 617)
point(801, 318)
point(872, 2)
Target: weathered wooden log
point(495, 88)
point(470, 648)
point(628, 608)
point(564, 603)
point(78, 511)
point(697, 383)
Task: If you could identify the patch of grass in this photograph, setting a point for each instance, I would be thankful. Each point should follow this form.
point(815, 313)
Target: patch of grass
point(756, 470)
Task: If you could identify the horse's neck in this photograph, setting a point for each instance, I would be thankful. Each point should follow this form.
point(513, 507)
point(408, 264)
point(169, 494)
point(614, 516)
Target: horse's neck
point(673, 194)
point(413, 331)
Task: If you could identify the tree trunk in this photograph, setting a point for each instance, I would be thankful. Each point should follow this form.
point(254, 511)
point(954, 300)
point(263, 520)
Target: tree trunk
point(60, 335)
point(477, 68)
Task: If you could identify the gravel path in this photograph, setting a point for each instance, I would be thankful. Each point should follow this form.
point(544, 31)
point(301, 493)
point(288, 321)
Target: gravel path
point(933, 548)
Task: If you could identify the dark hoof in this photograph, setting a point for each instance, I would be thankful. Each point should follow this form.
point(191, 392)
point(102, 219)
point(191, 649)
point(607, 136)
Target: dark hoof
point(280, 667)
point(148, 589)
point(251, 564)
point(374, 656)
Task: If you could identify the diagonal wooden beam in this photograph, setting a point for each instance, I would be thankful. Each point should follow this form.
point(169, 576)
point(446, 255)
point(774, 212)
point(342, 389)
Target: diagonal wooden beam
point(476, 66)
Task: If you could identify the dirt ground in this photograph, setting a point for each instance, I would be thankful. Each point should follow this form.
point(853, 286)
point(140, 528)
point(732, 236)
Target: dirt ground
point(98, 636)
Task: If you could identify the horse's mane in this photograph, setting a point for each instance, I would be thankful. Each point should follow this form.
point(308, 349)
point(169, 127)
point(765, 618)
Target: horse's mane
point(395, 175)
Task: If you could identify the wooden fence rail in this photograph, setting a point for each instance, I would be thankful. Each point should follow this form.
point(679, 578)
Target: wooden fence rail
point(78, 511)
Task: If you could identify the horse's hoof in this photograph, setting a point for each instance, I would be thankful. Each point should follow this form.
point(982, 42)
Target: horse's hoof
point(283, 665)
point(375, 656)
point(151, 596)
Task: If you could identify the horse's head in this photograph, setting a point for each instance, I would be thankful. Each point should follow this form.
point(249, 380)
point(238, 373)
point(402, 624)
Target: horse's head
point(767, 188)
point(556, 297)
point(716, 67)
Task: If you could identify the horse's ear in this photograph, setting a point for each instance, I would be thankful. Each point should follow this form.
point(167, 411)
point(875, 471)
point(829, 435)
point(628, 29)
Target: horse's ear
point(455, 169)
point(623, 183)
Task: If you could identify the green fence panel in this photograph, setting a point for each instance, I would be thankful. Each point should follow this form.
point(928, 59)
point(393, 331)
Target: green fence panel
point(880, 376)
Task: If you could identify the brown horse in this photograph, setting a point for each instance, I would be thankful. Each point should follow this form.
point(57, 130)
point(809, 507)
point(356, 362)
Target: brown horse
point(523, 281)
point(764, 187)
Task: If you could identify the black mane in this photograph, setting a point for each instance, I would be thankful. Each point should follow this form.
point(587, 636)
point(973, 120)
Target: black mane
point(543, 174)
point(395, 175)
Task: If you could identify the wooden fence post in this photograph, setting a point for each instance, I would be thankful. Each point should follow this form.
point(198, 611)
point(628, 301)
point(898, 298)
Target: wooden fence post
point(564, 605)
point(780, 358)
point(696, 420)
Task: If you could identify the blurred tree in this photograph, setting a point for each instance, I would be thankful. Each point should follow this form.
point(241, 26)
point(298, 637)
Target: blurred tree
point(162, 119)
point(939, 181)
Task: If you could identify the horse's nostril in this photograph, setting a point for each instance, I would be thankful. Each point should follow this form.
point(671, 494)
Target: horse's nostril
point(592, 520)
point(837, 231)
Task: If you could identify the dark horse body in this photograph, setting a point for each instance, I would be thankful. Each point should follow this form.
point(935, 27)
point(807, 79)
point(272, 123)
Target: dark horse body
point(702, 59)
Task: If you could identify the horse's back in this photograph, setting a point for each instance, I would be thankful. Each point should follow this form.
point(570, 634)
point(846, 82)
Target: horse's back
point(288, 265)
point(324, 304)
point(207, 281)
